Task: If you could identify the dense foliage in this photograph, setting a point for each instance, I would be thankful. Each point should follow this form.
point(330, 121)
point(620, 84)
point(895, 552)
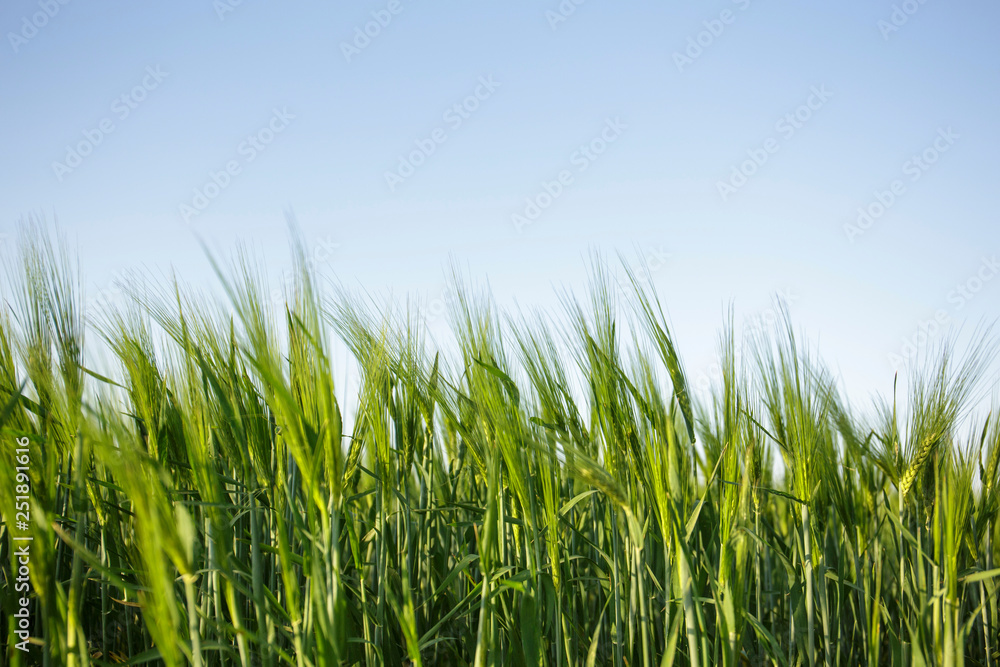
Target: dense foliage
point(547, 493)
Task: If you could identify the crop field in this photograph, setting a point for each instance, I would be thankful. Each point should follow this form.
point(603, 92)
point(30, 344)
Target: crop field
point(542, 490)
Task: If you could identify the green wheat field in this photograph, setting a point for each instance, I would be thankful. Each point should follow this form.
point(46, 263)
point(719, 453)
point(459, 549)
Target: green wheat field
point(542, 490)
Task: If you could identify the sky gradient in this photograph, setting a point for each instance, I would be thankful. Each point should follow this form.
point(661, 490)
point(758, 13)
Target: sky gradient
point(733, 145)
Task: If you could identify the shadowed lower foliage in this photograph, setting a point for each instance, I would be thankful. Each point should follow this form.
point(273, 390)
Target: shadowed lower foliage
point(545, 491)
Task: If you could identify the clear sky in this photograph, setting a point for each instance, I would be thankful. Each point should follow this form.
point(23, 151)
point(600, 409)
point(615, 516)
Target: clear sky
point(731, 143)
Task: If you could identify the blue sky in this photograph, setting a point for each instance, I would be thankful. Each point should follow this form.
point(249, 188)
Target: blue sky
point(640, 109)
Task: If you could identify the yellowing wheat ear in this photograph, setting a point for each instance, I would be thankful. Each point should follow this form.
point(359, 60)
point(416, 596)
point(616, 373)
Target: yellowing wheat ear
point(917, 464)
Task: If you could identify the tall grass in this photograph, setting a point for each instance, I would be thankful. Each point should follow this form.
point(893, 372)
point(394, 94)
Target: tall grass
point(546, 491)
